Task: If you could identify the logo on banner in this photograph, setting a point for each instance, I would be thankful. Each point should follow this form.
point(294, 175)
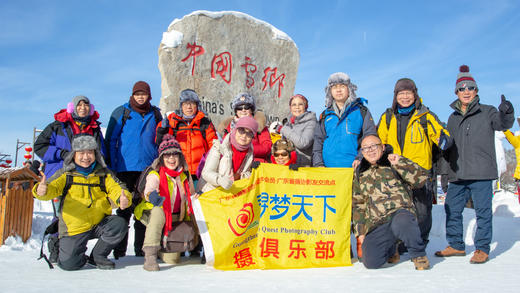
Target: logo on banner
point(245, 217)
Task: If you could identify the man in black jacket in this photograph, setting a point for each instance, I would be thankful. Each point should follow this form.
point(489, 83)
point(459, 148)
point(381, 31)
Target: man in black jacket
point(473, 165)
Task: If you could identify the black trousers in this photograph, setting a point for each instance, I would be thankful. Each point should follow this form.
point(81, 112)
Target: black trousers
point(130, 180)
point(110, 231)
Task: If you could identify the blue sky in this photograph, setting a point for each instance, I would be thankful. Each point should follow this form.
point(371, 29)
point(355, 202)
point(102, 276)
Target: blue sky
point(51, 51)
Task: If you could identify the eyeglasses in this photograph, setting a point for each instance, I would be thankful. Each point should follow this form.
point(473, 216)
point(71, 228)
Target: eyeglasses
point(469, 88)
point(283, 154)
point(243, 107)
point(370, 148)
point(242, 131)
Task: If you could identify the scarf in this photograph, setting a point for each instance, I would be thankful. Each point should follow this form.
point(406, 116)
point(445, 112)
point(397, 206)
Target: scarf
point(292, 159)
point(234, 143)
point(85, 171)
point(238, 158)
point(407, 110)
point(141, 109)
point(164, 191)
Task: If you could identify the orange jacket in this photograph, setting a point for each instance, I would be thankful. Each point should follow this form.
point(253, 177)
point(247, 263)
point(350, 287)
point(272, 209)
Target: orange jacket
point(189, 135)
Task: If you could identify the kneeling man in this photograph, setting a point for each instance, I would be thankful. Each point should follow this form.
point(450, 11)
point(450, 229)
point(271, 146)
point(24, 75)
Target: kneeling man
point(382, 207)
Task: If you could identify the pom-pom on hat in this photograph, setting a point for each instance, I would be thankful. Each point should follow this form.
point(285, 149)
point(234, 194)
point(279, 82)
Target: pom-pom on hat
point(464, 79)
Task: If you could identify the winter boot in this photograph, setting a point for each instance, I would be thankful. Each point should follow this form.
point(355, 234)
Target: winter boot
point(479, 257)
point(450, 251)
point(172, 258)
point(421, 263)
point(150, 258)
point(99, 255)
point(54, 247)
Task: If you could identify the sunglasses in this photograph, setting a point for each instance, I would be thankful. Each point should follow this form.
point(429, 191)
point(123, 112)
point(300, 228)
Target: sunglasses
point(469, 88)
point(243, 107)
point(283, 154)
point(242, 131)
point(170, 155)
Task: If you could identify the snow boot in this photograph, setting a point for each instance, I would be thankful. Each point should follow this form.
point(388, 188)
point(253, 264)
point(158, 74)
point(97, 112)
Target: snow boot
point(421, 263)
point(99, 255)
point(150, 258)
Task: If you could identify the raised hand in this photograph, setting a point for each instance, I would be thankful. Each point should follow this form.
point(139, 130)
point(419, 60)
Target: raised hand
point(42, 187)
point(393, 158)
point(123, 201)
point(505, 106)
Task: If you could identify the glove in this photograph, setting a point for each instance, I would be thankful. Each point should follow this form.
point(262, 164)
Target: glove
point(505, 106)
point(293, 167)
point(155, 199)
point(225, 182)
point(165, 123)
point(255, 164)
point(64, 153)
point(275, 127)
point(443, 141)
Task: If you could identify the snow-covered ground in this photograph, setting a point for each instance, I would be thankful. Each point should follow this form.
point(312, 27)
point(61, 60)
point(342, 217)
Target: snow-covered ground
point(21, 272)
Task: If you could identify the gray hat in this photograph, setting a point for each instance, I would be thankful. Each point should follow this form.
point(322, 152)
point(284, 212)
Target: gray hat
point(243, 99)
point(82, 142)
point(189, 95)
point(464, 79)
point(77, 99)
point(339, 78)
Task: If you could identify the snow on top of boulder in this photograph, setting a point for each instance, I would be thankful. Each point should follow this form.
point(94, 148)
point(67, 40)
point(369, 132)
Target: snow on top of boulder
point(173, 38)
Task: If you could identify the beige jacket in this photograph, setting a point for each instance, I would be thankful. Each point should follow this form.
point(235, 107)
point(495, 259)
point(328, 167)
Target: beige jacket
point(219, 164)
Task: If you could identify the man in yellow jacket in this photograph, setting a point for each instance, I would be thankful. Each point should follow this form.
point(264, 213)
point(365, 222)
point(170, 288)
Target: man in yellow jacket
point(88, 193)
point(411, 129)
point(514, 140)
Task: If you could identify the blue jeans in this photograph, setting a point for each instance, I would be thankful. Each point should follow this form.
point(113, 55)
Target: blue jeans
point(481, 191)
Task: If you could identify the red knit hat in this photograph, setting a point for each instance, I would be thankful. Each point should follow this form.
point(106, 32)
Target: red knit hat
point(464, 78)
point(169, 145)
point(305, 101)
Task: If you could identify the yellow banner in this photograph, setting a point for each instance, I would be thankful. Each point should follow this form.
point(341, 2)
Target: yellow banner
point(278, 219)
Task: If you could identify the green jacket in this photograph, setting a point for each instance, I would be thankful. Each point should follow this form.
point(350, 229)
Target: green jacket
point(379, 190)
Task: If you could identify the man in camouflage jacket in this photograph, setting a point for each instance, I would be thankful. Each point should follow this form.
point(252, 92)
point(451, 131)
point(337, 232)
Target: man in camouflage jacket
point(382, 207)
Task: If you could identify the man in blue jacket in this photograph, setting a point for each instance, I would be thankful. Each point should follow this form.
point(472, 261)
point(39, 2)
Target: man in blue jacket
point(131, 147)
point(472, 162)
point(344, 122)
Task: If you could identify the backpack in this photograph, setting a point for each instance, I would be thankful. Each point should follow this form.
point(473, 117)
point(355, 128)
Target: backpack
point(362, 108)
point(126, 115)
point(53, 227)
point(138, 193)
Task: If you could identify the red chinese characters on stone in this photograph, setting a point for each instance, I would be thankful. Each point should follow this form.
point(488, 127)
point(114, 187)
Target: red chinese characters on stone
point(195, 50)
point(250, 69)
point(269, 247)
point(271, 79)
point(324, 249)
point(243, 258)
point(296, 249)
point(222, 65)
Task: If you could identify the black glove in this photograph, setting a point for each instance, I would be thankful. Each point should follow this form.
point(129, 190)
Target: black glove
point(293, 167)
point(165, 123)
point(155, 199)
point(505, 106)
point(255, 164)
point(64, 153)
point(443, 141)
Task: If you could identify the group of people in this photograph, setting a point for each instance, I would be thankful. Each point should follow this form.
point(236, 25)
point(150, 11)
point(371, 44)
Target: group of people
point(183, 155)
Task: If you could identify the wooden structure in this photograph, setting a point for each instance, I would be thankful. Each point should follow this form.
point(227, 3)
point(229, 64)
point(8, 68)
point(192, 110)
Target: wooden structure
point(16, 202)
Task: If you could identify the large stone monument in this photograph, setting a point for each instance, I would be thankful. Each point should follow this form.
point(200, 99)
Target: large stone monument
point(221, 54)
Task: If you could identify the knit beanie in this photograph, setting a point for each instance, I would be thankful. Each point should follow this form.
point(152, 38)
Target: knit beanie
point(243, 99)
point(169, 145)
point(305, 101)
point(247, 122)
point(464, 79)
point(339, 78)
point(282, 145)
point(405, 84)
point(142, 86)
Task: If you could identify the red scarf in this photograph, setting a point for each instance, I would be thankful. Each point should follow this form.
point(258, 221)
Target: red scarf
point(64, 116)
point(238, 158)
point(292, 159)
point(164, 191)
